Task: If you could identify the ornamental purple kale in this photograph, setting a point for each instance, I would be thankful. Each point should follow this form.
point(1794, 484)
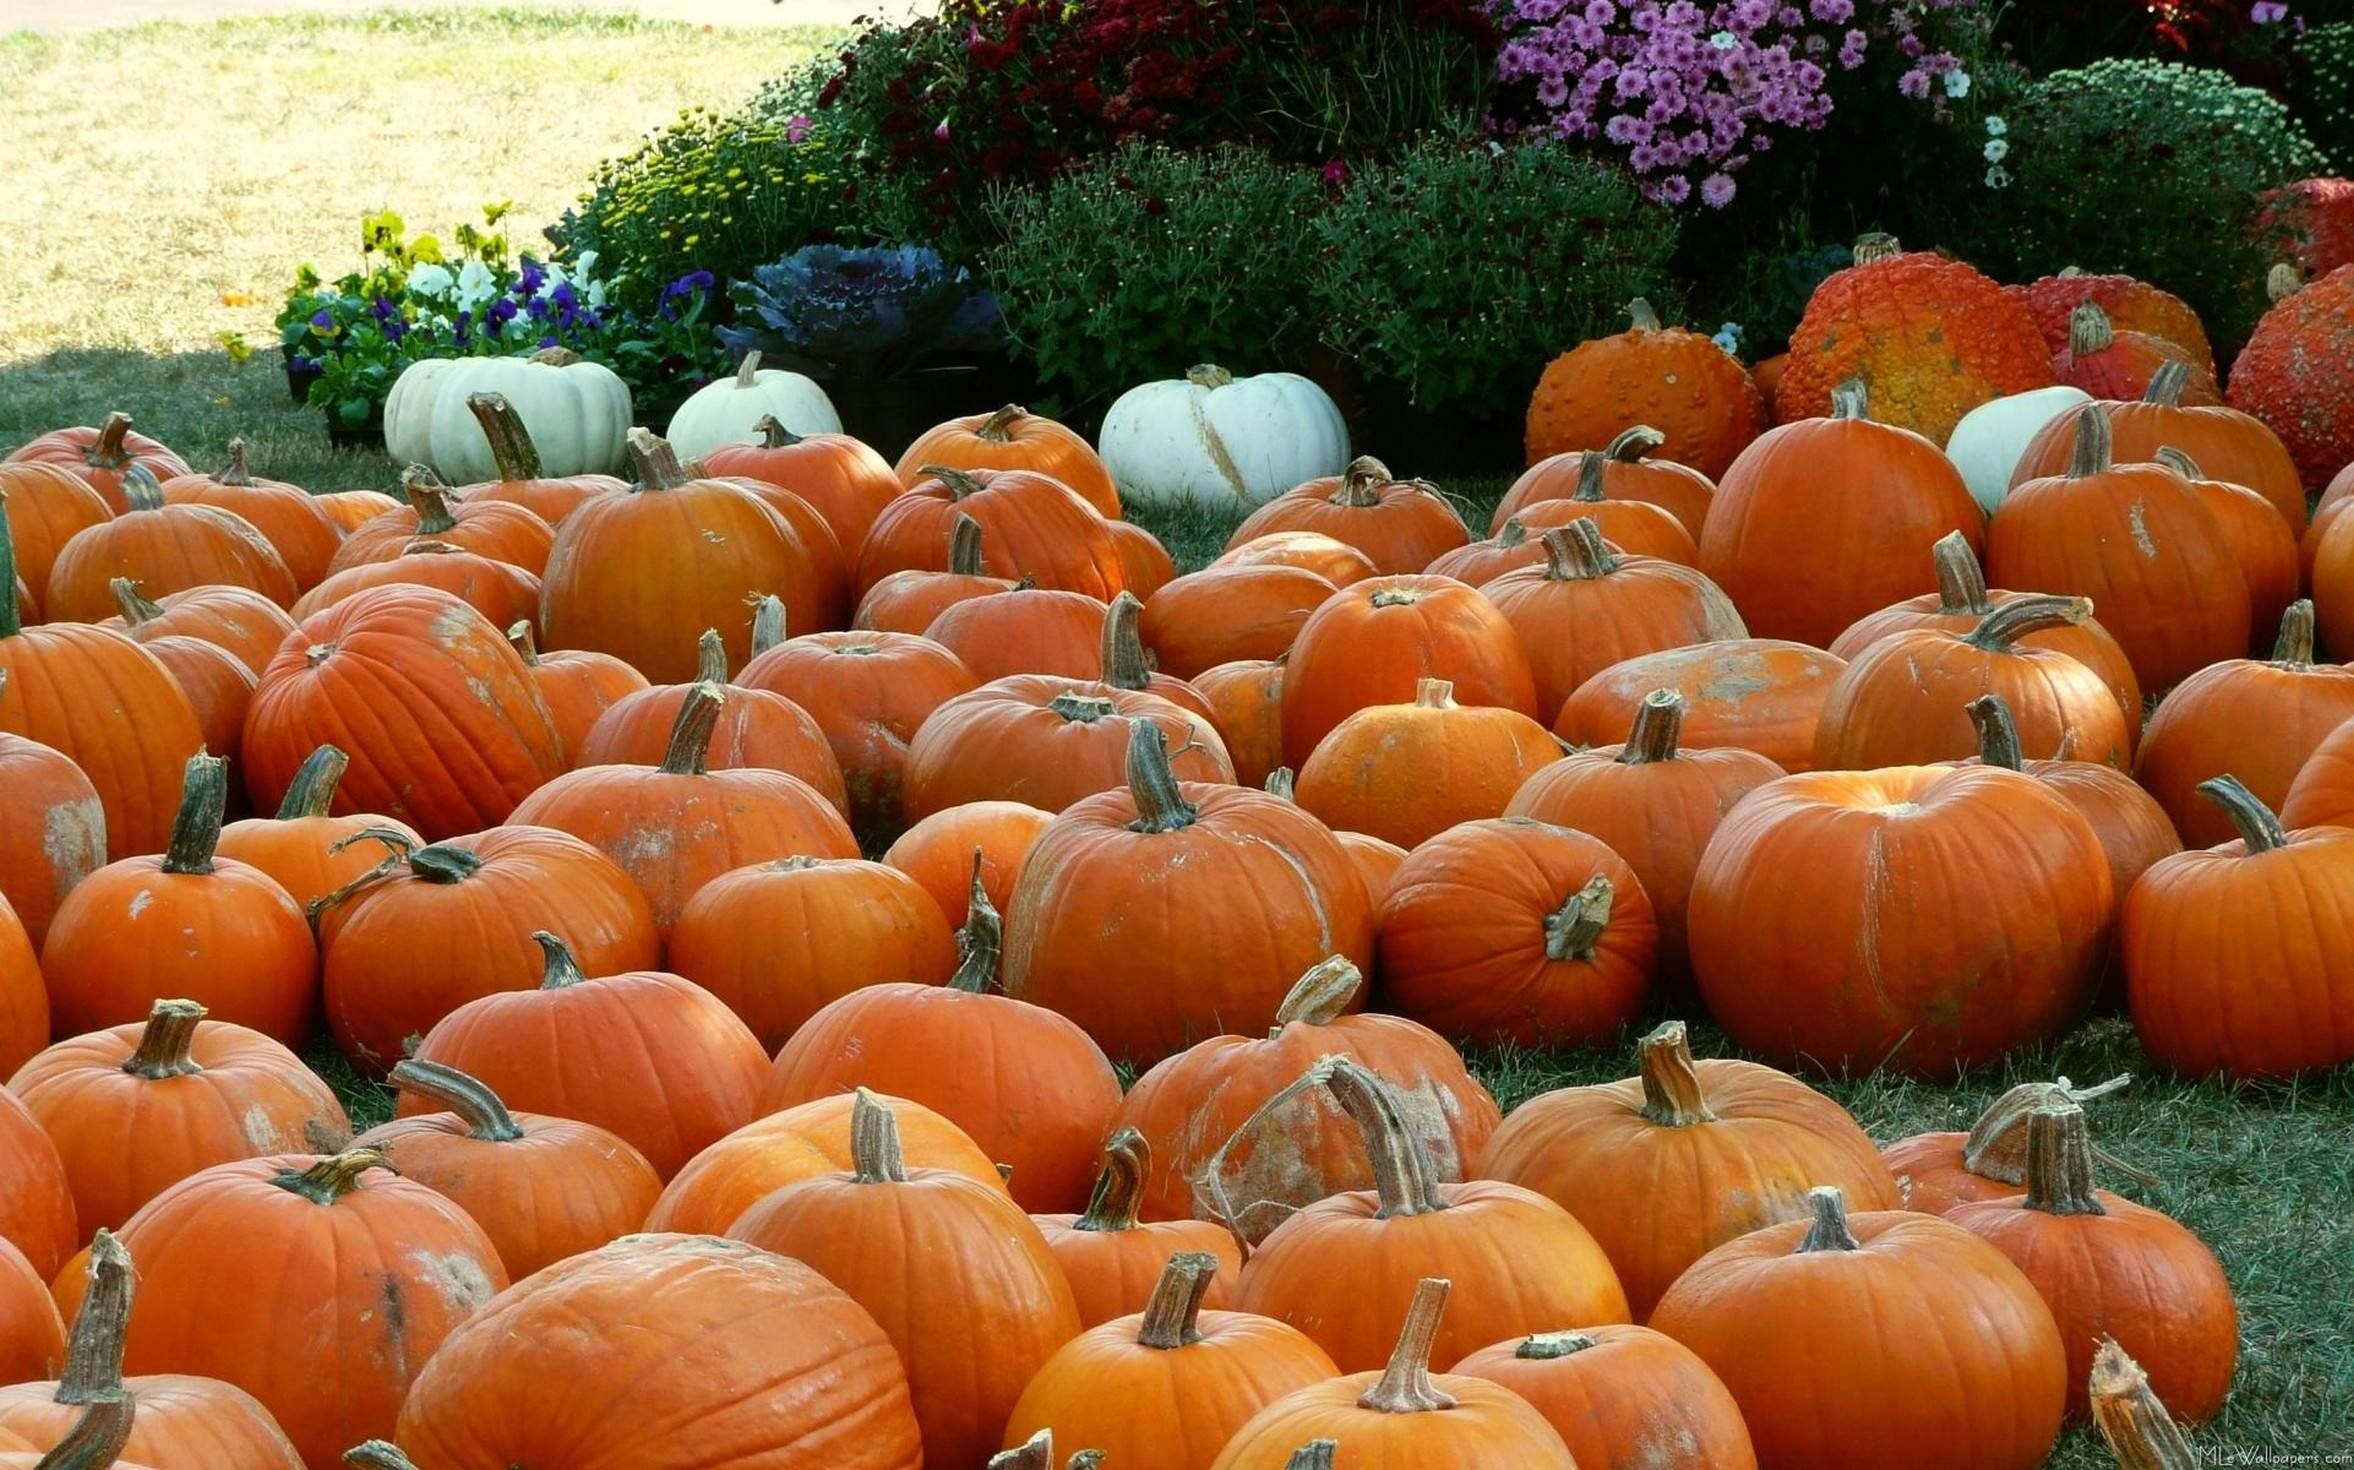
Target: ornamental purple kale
point(868, 313)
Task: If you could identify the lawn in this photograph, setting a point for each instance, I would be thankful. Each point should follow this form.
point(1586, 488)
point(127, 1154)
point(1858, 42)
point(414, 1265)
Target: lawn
point(143, 221)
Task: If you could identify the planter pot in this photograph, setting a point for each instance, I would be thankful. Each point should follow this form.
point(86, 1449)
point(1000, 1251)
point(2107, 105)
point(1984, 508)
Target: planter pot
point(298, 379)
point(369, 435)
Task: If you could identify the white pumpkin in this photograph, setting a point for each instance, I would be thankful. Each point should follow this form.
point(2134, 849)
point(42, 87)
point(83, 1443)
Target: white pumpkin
point(1210, 438)
point(1985, 446)
point(730, 410)
point(575, 412)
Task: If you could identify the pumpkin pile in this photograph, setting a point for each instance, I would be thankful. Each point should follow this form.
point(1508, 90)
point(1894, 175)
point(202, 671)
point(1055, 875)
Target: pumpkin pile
point(753, 875)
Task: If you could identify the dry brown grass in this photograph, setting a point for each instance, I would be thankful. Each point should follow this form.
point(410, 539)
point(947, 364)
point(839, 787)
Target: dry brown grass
point(163, 182)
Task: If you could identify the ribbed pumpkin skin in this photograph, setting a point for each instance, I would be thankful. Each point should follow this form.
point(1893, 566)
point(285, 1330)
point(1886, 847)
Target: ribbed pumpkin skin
point(1146, 562)
point(1677, 381)
point(1489, 1426)
point(46, 504)
point(869, 693)
point(1678, 489)
point(1575, 627)
point(100, 456)
point(2087, 642)
point(1822, 521)
point(1328, 557)
point(1032, 526)
point(1013, 438)
point(1930, 337)
point(219, 688)
point(723, 1354)
point(248, 1282)
point(111, 708)
point(183, 1422)
point(2252, 718)
point(1403, 528)
point(578, 685)
point(842, 479)
point(2286, 376)
point(821, 574)
point(125, 1139)
point(501, 591)
point(32, 1336)
point(239, 619)
point(2228, 445)
point(285, 514)
point(1636, 528)
point(1407, 772)
point(2133, 830)
point(52, 834)
point(1902, 702)
point(36, 1200)
point(911, 601)
point(1221, 614)
point(1246, 705)
point(1924, 1303)
point(1029, 630)
point(440, 717)
point(1006, 742)
point(1113, 1272)
point(300, 852)
point(1757, 694)
point(2131, 305)
point(169, 549)
point(757, 729)
point(1831, 919)
point(500, 530)
point(938, 852)
point(1632, 1400)
point(1373, 642)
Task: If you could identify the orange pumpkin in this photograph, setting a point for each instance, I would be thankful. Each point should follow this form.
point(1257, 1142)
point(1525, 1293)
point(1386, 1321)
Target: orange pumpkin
point(1940, 1172)
point(516, 458)
point(1481, 562)
point(1631, 526)
point(1374, 642)
point(183, 923)
point(2329, 571)
point(165, 548)
point(806, 1374)
point(1756, 694)
point(2107, 362)
point(45, 505)
point(910, 601)
point(1048, 742)
point(542, 1188)
point(2113, 1270)
point(1113, 1259)
point(1826, 519)
point(1651, 802)
point(1223, 613)
point(2232, 446)
point(501, 591)
point(103, 457)
point(239, 619)
point(1344, 1267)
point(1401, 526)
point(825, 580)
point(1623, 1398)
point(1026, 630)
point(219, 689)
point(2130, 304)
point(576, 684)
point(1165, 1386)
point(52, 836)
point(1813, 1325)
point(352, 509)
point(32, 1335)
point(2261, 542)
point(1238, 874)
point(1013, 438)
point(1233, 1138)
point(310, 853)
point(136, 1109)
point(1723, 1147)
point(36, 1199)
point(286, 515)
point(1707, 407)
point(945, 1265)
point(1246, 706)
point(938, 852)
point(1037, 528)
point(1147, 563)
point(1920, 918)
point(1621, 472)
point(1407, 772)
point(1334, 560)
point(24, 998)
point(844, 480)
point(869, 693)
point(649, 1056)
point(501, 530)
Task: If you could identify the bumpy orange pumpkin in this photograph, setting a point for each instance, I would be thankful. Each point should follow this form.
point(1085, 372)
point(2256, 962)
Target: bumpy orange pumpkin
point(1623, 1398)
point(2132, 305)
point(2275, 378)
point(1375, 641)
point(1705, 405)
point(1407, 772)
point(1930, 337)
point(1757, 694)
point(1114, 1260)
point(2232, 446)
point(1400, 525)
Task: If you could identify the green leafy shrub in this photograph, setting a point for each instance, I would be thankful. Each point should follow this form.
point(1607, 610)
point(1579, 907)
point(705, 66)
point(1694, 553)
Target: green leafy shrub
point(1460, 270)
point(1143, 263)
point(2323, 93)
point(2149, 168)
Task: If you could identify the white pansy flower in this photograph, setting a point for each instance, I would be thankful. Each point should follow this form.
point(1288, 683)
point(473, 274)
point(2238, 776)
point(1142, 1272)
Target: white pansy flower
point(1957, 84)
point(431, 280)
point(475, 285)
point(1997, 178)
point(1997, 149)
point(1995, 126)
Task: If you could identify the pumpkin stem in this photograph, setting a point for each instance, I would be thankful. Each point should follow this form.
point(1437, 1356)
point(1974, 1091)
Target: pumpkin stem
point(1321, 996)
point(444, 862)
point(2140, 1433)
point(748, 371)
point(11, 617)
point(1035, 1453)
point(655, 463)
point(97, 1438)
point(1961, 582)
point(1851, 400)
point(378, 1454)
point(2059, 1162)
point(1875, 245)
point(875, 1154)
point(964, 547)
point(511, 449)
point(1171, 1315)
point(333, 1177)
point(1394, 597)
point(2256, 823)
point(1082, 709)
point(2294, 647)
point(109, 451)
point(196, 831)
point(1208, 375)
point(1671, 1079)
point(94, 1354)
point(1659, 725)
point(1361, 482)
point(1514, 532)
point(768, 624)
point(1434, 694)
point(710, 658)
point(1589, 487)
point(164, 1041)
point(2093, 453)
point(2089, 330)
point(430, 498)
point(555, 357)
point(142, 489)
point(1829, 1231)
point(521, 639)
point(239, 472)
point(1998, 733)
point(1640, 316)
point(1124, 664)
point(1119, 1185)
point(689, 751)
point(2177, 461)
point(998, 428)
point(1996, 1146)
point(558, 968)
point(1160, 802)
point(1282, 783)
point(1086, 1460)
point(1316, 1454)
point(960, 483)
point(1577, 553)
point(980, 940)
point(135, 609)
point(2165, 386)
point(2284, 280)
point(477, 1106)
point(774, 434)
point(1405, 1386)
point(2020, 616)
point(1572, 929)
point(1632, 444)
point(1545, 1347)
point(1401, 1172)
point(312, 790)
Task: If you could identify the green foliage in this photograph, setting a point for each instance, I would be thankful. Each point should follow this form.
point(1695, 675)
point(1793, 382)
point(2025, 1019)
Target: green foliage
point(1460, 270)
point(2148, 168)
point(2323, 92)
point(1141, 264)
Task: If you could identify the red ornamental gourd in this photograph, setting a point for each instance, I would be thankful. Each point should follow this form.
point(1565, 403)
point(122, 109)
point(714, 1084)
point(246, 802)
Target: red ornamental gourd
point(576, 684)
point(542, 1188)
point(1373, 642)
point(1705, 403)
point(1938, 1173)
point(1407, 772)
point(2139, 542)
point(649, 1056)
point(1164, 1387)
point(103, 456)
point(1757, 694)
point(52, 833)
point(1720, 1147)
point(1515, 931)
point(1343, 1268)
point(1622, 1398)
point(2283, 378)
point(2130, 304)
point(1921, 918)
point(844, 480)
point(501, 530)
point(1234, 1136)
point(2113, 1270)
point(720, 1353)
point(1814, 1324)
point(286, 514)
point(1401, 526)
point(1143, 881)
point(439, 715)
point(2232, 446)
point(184, 923)
point(1118, 1264)
point(308, 851)
point(957, 1277)
point(1029, 1087)
point(1037, 528)
point(1049, 742)
point(1013, 438)
point(2113, 363)
point(2214, 985)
